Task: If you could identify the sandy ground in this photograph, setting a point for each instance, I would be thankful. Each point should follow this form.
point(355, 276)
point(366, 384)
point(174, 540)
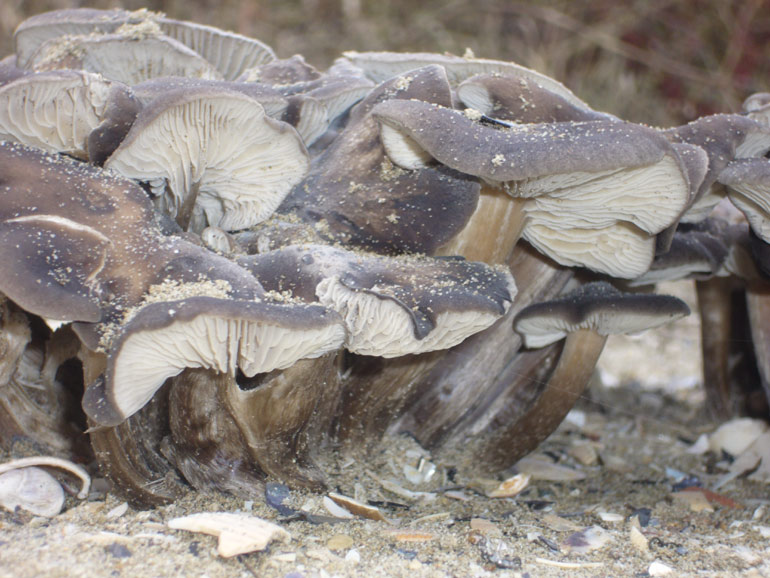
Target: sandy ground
point(628, 443)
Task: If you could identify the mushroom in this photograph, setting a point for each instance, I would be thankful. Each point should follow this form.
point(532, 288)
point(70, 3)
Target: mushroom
point(130, 56)
point(59, 112)
point(748, 187)
point(585, 317)
point(355, 196)
point(379, 66)
point(230, 53)
point(724, 137)
point(221, 159)
point(391, 306)
point(572, 179)
point(160, 339)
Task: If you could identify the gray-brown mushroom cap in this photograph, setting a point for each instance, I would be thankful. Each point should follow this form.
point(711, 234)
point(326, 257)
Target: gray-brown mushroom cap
point(521, 151)
point(516, 99)
point(597, 307)
point(222, 160)
point(129, 57)
point(161, 339)
point(391, 306)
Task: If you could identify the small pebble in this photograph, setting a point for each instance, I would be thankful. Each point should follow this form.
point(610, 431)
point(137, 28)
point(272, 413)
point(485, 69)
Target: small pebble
point(117, 511)
point(638, 540)
point(696, 501)
point(118, 550)
point(339, 542)
point(658, 568)
point(585, 453)
point(353, 557)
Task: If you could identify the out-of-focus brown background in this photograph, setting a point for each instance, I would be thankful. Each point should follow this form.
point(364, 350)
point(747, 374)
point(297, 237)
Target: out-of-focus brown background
point(662, 62)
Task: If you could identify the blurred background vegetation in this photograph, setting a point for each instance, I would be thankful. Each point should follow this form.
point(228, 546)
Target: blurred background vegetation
point(661, 62)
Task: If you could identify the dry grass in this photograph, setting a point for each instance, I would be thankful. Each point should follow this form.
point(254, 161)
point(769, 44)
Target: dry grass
point(656, 61)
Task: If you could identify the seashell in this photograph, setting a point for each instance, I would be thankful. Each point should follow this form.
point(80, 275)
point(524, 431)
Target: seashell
point(357, 508)
point(238, 533)
point(31, 489)
point(510, 487)
point(736, 435)
point(586, 540)
point(542, 468)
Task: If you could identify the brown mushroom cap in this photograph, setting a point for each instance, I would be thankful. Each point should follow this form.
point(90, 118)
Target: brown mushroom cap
point(517, 99)
point(162, 339)
point(81, 244)
point(598, 307)
point(391, 306)
point(357, 197)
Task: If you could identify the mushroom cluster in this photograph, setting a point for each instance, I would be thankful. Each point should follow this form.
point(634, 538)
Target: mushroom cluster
point(220, 264)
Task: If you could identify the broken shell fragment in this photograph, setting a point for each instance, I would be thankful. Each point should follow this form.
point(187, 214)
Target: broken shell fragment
point(31, 489)
point(237, 533)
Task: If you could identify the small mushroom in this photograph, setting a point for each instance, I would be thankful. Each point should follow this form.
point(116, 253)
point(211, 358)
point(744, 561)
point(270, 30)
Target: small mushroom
point(585, 316)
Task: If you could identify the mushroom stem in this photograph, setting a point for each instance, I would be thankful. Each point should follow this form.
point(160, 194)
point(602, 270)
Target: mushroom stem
point(456, 392)
point(565, 385)
point(185, 214)
point(492, 231)
point(758, 304)
point(714, 303)
point(230, 433)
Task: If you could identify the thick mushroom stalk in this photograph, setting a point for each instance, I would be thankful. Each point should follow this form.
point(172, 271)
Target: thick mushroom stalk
point(231, 432)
